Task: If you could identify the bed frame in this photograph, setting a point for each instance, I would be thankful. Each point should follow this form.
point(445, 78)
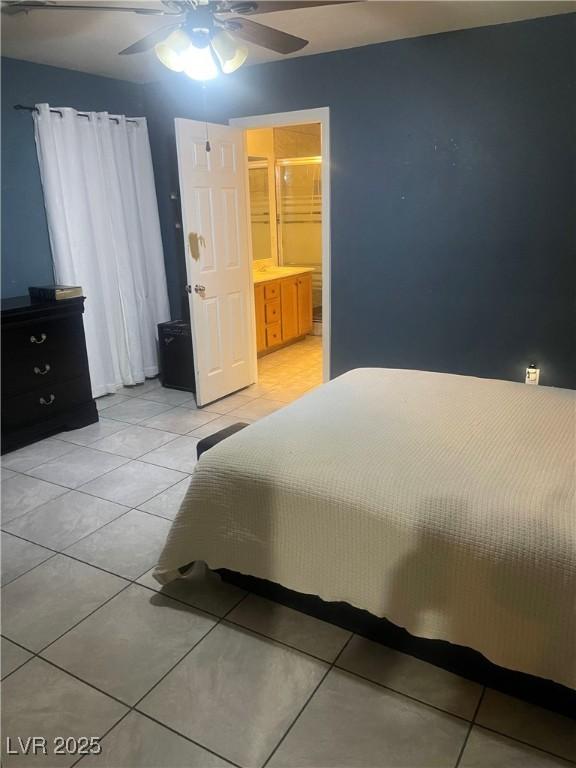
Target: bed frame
point(458, 659)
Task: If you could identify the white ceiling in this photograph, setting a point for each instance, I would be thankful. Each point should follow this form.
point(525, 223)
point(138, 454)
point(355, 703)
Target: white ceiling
point(90, 41)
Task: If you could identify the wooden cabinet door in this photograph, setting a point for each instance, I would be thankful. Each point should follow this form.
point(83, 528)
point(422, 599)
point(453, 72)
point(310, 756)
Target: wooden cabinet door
point(289, 301)
point(304, 304)
point(260, 317)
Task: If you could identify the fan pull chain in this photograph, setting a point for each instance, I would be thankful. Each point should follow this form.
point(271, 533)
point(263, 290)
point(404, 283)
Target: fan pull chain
point(205, 109)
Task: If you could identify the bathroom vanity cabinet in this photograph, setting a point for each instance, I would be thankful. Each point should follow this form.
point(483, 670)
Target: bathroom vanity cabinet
point(283, 310)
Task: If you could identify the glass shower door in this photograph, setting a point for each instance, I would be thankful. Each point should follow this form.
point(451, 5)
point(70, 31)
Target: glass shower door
point(299, 201)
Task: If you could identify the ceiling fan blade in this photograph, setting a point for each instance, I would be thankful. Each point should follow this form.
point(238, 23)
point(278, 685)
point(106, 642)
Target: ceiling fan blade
point(248, 8)
point(145, 43)
point(265, 37)
point(12, 8)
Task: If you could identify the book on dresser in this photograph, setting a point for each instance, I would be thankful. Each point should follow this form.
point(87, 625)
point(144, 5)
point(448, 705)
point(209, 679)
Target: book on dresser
point(54, 292)
point(45, 377)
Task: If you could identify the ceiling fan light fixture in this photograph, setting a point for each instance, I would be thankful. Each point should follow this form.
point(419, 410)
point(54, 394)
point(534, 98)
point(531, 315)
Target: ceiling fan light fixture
point(199, 63)
point(170, 51)
point(230, 55)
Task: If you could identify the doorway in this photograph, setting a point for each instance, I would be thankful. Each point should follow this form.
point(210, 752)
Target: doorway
point(285, 211)
point(288, 170)
point(222, 284)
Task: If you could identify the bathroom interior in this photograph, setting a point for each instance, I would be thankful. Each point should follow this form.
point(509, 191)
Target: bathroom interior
point(285, 177)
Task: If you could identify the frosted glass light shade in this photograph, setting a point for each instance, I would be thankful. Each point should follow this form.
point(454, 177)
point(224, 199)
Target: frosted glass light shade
point(199, 63)
point(170, 51)
point(230, 55)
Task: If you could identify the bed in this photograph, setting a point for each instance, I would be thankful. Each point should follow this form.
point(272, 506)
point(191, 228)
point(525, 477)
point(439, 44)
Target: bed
point(444, 503)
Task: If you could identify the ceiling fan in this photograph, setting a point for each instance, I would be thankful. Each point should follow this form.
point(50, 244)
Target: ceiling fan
point(202, 38)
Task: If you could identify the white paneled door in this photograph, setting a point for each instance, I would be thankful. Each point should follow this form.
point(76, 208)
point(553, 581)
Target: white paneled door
point(215, 222)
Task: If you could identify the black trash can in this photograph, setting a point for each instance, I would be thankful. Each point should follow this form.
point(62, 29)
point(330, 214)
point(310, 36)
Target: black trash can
point(176, 356)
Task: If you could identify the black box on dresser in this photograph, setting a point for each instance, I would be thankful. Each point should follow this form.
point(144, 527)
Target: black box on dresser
point(45, 378)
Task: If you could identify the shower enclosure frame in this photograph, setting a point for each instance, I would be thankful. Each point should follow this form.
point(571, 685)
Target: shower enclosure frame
point(319, 115)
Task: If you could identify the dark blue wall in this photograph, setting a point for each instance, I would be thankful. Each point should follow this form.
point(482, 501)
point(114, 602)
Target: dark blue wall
point(453, 198)
point(26, 257)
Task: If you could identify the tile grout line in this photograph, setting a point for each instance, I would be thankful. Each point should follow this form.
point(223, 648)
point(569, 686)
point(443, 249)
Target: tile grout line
point(472, 723)
point(119, 431)
point(133, 707)
point(217, 623)
point(130, 582)
point(88, 493)
point(199, 410)
point(90, 565)
point(403, 693)
point(567, 760)
point(308, 700)
point(90, 446)
point(78, 489)
point(226, 621)
point(60, 485)
point(34, 566)
point(275, 639)
point(127, 459)
point(240, 626)
point(80, 621)
point(333, 665)
point(65, 553)
point(102, 737)
point(469, 731)
point(189, 605)
point(38, 654)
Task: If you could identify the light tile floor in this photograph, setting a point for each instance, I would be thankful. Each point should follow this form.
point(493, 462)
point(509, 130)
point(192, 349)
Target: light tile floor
point(198, 674)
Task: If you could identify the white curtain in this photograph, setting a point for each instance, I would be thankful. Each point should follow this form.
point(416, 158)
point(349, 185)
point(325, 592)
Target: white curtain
point(100, 199)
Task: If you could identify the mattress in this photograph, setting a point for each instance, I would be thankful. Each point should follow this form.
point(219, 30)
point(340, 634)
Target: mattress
point(444, 503)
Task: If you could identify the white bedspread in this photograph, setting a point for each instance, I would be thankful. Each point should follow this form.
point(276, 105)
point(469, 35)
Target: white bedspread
point(444, 503)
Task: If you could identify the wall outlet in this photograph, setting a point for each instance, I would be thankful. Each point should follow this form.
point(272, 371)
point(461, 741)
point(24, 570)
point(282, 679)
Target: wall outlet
point(532, 375)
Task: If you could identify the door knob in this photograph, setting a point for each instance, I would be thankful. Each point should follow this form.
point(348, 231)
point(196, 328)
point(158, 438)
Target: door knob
point(200, 289)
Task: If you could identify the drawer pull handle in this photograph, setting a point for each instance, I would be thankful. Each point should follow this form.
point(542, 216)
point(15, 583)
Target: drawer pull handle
point(34, 340)
point(40, 372)
point(50, 400)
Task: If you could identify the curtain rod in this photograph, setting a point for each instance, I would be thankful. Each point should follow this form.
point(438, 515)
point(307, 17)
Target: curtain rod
point(80, 114)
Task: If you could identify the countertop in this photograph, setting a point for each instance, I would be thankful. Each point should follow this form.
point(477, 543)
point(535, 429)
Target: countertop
point(277, 273)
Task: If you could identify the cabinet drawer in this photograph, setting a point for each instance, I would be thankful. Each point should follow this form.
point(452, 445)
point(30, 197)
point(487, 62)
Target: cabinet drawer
point(39, 339)
point(273, 311)
point(273, 335)
point(45, 402)
point(41, 369)
point(271, 291)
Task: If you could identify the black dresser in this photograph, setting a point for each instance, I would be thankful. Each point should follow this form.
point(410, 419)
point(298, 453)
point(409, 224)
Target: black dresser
point(45, 378)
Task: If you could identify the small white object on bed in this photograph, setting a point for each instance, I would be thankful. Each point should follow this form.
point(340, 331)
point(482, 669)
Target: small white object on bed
point(444, 503)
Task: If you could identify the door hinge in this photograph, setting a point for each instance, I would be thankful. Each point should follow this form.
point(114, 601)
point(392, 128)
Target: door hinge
point(188, 289)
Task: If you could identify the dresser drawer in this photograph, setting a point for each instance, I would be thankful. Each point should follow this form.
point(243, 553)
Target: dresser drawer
point(41, 369)
point(45, 402)
point(271, 291)
point(37, 340)
point(272, 311)
point(273, 335)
